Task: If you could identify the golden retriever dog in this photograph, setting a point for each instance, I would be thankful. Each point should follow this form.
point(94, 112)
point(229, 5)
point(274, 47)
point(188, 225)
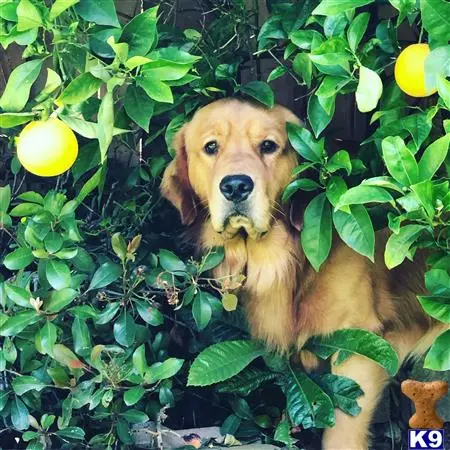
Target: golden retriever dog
point(232, 163)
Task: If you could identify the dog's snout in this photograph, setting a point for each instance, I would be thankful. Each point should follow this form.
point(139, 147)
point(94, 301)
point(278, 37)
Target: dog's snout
point(236, 188)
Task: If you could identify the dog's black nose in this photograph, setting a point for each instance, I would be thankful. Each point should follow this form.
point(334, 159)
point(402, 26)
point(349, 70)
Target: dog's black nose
point(236, 188)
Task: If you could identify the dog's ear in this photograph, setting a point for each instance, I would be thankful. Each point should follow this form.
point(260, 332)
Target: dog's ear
point(175, 185)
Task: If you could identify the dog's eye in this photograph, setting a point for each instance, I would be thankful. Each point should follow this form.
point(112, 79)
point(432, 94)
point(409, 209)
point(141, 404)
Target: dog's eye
point(211, 148)
point(268, 146)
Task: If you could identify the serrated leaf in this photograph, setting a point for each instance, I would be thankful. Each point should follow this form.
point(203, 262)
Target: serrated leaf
point(306, 401)
point(357, 341)
point(222, 361)
point(246, 382)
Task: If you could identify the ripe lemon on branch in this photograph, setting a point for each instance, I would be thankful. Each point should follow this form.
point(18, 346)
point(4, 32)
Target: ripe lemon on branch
point(47, 148)
point(410, 70)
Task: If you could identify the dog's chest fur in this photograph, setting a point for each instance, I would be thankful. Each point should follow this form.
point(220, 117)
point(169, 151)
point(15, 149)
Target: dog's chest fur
point(286, 301)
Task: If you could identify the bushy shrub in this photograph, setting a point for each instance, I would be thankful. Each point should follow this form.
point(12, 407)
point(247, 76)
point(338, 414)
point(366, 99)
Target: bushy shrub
point(106, 319)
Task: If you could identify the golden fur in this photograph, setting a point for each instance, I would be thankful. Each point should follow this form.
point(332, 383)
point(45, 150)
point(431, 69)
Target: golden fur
point(286, 301)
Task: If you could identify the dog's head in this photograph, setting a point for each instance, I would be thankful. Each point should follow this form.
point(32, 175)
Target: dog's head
point(233, 158)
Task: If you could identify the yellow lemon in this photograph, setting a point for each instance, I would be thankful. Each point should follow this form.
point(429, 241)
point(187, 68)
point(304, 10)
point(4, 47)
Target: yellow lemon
point(410, 70)
point(47, 148)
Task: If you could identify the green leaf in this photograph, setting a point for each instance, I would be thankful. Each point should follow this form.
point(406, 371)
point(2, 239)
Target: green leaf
point(336, 187)
point(139, 107)
point(443, 87)
point(222, 361)
point(32, 197)
point(71, 433)
point(125, 329)
point(437, 64)
point(19, 414)
point(359, 342)
point(433, 157)
point(340, 160)
point(436, 306)
point(105, 127)
point(212, 259)
point(335, 25)
point(53, 82)
point(23, 384)
point(398, 245)
point(80, 89)
point(356, 230)
point(276, 73)
point(260, 91)
point(5, 197)
point(65, 356)
point(119, 246)
point(364, 194)
point(149, 314)
point(357, 29)
point(108, 313)
point(58, 274)
point(304, 184)
point(438, 357)
point(316, 234)
point(343, 391)
point(60, 299)
point(332, 7)
point(369, 90)
point(436, 19)
point(134, 416)
point(81, 337)
point(140, 33)
point(318, 116)
point(18, 295)
point(101, 12)
point(28, 16)
point(12, 120)
point(45, 338)
point(16, 324)
point(307, 401)
point(53, 242)
point(302, 66)
point(283, 434)
point(17, 90)
point(163, 370)
point(139, 360)
point(59, 7)
point(306, 39)
point(304, 143)
point(170, 262)
point(155, 89)
point(26, 209)
point(106, 274)
point(133, 395)
point(201, 310)
point(400, 161)
point(246, 381)
point(18, 259)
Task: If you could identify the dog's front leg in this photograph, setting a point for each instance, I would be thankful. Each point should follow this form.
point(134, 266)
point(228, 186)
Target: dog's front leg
point(352, 433)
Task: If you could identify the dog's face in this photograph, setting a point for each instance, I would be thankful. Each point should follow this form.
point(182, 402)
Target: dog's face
point(233, 158)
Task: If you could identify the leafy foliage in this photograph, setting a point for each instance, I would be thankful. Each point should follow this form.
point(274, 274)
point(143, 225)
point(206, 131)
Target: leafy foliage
point(105, 322)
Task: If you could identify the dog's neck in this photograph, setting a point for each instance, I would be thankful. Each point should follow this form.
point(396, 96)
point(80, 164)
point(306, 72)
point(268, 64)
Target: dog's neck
point(273, 266)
